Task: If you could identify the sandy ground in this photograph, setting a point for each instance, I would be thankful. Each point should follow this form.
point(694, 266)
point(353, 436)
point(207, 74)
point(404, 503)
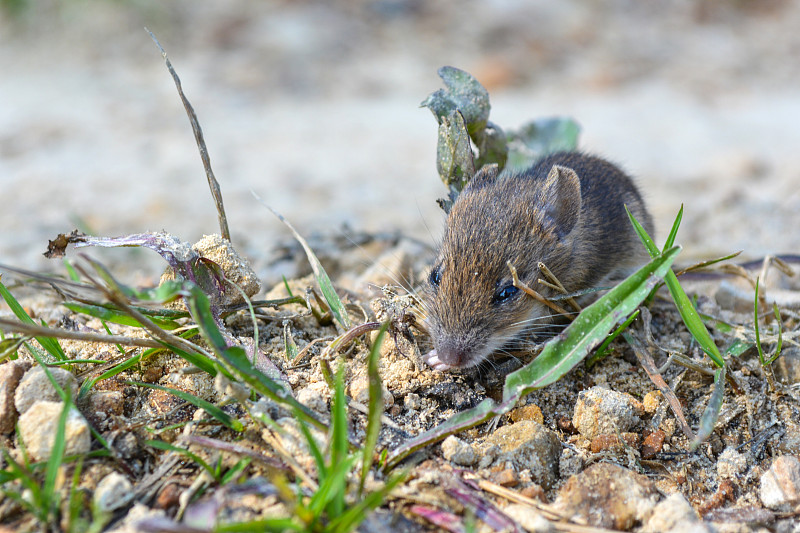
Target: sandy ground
point(314, 106)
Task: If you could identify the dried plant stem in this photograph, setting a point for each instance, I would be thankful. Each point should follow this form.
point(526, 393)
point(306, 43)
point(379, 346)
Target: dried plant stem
point(535, 295)
point(216, 193)
point(12, 326)
point(556, 284)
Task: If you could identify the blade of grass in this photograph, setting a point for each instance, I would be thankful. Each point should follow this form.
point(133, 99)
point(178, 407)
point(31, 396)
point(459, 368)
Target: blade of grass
point(49, 497)
point(375, 407)
point(687, 311)
point(339, 444)
point(116, 316)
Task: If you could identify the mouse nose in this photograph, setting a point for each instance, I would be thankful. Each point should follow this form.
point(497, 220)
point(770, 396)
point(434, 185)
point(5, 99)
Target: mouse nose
point(453, 355)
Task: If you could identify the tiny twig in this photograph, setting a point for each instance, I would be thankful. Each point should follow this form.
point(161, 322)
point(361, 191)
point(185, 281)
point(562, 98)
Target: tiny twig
point(535, 295)
point(557, 285)
point(216, 193)
point(12, 326)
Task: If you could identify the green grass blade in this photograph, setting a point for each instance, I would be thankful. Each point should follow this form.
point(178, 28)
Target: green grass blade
point(50, 344)
point(118, 369)
point(313, 448)
point(674, 231)
point(755, 325)
point(55, 461)
point(340, 444)
point(687, 311)
point(375, 407)
point(116, 316)
point(332, 489)
point(217, 413)
point(356, 514)
point(600, 353)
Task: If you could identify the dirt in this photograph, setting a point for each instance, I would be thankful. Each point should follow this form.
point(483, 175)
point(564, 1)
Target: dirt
point(314, 106)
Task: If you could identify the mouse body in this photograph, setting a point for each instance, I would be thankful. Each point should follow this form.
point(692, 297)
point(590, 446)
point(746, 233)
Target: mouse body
point(566, 211)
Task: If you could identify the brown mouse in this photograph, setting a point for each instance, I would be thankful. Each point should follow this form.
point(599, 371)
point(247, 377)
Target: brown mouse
point(567, 211)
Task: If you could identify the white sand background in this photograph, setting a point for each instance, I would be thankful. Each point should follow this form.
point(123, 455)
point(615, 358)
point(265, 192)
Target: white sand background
point(314, 106)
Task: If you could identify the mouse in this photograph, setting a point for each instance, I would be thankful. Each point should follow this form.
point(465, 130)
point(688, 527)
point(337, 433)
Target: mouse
point(567, 211)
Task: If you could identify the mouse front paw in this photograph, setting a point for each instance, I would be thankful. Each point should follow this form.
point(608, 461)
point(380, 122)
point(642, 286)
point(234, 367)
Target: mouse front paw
point(432, 358)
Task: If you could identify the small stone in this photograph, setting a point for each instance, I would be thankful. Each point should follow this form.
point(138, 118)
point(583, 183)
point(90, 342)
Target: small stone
point(527, 412)
point(459, 452)
point(780, 485)
point(607, 495)
point(651, 401)
point(529, 518)
point(313, 398)
point(787, 366)
point(38, 425)
point(100, 406)
point(505, 478)
point(570, 462)
point(113, 491)
point(602, 411)
point(675, 515)
point(169, 496)
point(731, 463)
point(412, 402)
point(359, 391)
point(653, 443)
point(530, 445)
point(10, 375)
point(488, 454)
point(612, 442)
point(36, 386)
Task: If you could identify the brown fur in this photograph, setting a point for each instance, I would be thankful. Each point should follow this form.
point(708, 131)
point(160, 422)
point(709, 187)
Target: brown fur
point(566, 211)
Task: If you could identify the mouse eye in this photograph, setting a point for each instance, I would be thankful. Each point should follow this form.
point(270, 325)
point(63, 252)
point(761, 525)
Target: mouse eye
point(505, 294)
point(435, 277)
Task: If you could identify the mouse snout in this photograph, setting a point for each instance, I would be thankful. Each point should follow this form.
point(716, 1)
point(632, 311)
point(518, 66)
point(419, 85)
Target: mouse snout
point(453, 356)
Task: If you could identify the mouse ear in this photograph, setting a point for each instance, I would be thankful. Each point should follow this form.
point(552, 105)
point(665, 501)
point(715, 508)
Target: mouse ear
point(562, 194)
point(486, 175)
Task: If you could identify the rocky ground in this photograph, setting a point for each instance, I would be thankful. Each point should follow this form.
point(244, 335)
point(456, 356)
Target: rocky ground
point(314, 107)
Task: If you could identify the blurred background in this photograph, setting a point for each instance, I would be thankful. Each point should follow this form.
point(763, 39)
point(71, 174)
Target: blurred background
point(314, 106)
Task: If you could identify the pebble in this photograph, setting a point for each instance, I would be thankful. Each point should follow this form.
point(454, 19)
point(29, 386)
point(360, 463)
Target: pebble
point(570, 462)
point(780, 485)
point(113, 491)
point(10, 375)
point(601, 411)
point(675, 515)
point(607, 495)
point(653, 443)
point(527, 412)
point(101, 406)
point(529, 518)
point(731, 463)
point(603, 443)
point(529, 445)
point(36, 386)
point(359, 391)
point(651, 401)
point(38, 425)
point(459, 452)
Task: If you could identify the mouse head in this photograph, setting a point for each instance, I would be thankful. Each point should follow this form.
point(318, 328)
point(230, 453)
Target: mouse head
point(473, 306)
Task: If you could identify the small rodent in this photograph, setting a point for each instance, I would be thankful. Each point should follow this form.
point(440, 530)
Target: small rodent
point(567, 211)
